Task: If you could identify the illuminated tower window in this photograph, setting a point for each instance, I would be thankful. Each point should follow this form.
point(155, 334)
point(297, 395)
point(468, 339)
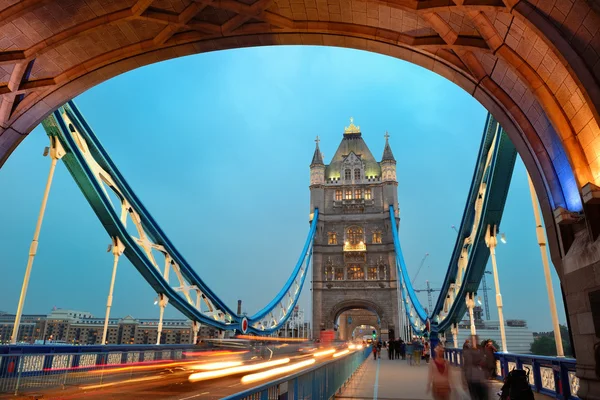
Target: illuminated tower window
point(338, 195)
point(367, 194)
point(357, 194)
point(377, 237)
point(348, 194)
point(356, 272)
point(357, 174)
point(348, 174)
point(332, 239)
point(372, 273)
point(355, 235)
point(339, 273)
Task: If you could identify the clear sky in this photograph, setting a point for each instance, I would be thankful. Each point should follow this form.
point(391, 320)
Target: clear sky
point(217, 146)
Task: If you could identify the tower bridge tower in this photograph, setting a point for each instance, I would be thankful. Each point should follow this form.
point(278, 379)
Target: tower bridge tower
point(353, 254)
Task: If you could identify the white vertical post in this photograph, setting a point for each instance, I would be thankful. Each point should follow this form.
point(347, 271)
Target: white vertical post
point(162, 302)
point(117, 250)
point(491, 241)
point(470, 305)
point(454, 330)
point(56, 153)
point(195, 329)
point(541, 238)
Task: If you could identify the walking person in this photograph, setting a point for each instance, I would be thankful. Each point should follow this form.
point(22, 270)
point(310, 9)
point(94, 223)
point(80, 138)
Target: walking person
point(490, 359)
point(475, 374)
point(439, 376)
point(403, 349)
point(417, 351)
point(379, 346)
point(374, 349)
point(409, 352)
point(390, 349)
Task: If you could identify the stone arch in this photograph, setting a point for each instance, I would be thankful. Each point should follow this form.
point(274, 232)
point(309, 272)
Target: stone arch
point(347, 305)
point(535, 67)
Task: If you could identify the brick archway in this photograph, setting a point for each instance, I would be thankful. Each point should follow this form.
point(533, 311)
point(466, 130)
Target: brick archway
point(535, 65)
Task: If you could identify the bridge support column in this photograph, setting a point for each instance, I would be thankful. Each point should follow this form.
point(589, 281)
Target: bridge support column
point(117, 250)
point(491, 242)
point(470, 305)
point(541, 238)
point(162, 302)
point(195, 329)
point(454, 330)
point(56, 153)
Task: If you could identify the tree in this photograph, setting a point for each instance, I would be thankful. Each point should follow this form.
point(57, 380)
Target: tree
point(546, 345)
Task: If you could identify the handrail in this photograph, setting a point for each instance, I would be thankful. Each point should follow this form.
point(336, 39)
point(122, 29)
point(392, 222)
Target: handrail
point(553, 376)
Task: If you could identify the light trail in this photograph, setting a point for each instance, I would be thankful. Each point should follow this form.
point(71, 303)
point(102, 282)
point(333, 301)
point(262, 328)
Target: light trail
point(324, 353)
point(216, 365)
point(341, 353)
point(202, 376)
point(352, 346)
point(277, 371)
point(102, 385)
point(270, 339)
point(213, 353)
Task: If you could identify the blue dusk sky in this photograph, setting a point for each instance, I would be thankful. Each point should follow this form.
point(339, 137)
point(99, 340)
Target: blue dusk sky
point(218, 145)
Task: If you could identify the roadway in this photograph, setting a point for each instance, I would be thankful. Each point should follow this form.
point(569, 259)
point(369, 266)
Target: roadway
point(180, 380)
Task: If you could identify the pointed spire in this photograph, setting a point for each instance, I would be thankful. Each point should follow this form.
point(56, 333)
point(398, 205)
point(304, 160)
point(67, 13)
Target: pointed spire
point(387, 150)
point(317, 157)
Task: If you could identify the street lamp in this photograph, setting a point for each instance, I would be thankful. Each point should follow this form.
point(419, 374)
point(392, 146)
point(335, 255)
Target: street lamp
point(503, 238)
point(454, 227)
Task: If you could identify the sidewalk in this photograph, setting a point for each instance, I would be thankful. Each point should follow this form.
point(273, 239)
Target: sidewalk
point(386, 379)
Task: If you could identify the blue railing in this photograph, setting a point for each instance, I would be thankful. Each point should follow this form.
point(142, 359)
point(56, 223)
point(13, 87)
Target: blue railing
point(552, 376)
point(320, 382)
point(31, 367)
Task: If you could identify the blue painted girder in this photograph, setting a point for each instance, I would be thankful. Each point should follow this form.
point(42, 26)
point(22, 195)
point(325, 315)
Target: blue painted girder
point(102, 206)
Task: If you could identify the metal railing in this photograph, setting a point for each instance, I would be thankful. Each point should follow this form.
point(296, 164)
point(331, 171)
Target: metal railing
point(552, 376)
point(24, 368)
point(319, 382)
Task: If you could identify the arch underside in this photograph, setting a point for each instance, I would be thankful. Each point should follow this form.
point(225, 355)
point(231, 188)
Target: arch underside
point(523, 65)
point(356, 304)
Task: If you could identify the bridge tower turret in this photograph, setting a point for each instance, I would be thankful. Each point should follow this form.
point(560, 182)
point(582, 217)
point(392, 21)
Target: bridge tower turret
point(353, 253)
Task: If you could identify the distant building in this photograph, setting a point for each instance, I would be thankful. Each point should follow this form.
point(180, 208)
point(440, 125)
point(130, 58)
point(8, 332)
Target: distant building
point(78, 327)
point(518, 336)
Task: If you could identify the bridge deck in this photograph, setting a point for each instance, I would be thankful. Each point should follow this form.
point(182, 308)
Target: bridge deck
point(386, 379)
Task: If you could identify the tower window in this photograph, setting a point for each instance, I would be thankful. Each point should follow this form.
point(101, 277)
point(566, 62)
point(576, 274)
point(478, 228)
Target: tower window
point(338, 195)
point(367, 194)
point(372, 273)
point(357, 174)
point(356, 272)
point(348, 174)
point(377, 237)
point(339, 273)
point(348, 194)
point(354, 235)
point(357, 194)
point(332, 238)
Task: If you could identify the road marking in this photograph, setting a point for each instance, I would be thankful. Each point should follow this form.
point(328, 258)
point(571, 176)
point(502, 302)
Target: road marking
point(234, 385)
point(376, 386)
point(196, 395)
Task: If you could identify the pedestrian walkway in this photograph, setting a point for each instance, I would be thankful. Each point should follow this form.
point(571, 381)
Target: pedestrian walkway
point(386, 379)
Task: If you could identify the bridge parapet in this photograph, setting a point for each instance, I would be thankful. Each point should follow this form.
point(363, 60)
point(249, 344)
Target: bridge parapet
point(32, 367)
point(320, 382)
point(552, 376)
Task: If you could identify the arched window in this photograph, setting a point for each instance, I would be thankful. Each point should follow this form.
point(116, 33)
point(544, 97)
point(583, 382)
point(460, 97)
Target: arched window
point(338, 195)
point(355, 272)
point(357, 174)
point(332, 238)
point(348, 174)
point(355, 235)
point(376, 237)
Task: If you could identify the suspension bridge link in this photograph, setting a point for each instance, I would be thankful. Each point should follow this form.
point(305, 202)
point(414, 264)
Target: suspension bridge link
point(96, 175)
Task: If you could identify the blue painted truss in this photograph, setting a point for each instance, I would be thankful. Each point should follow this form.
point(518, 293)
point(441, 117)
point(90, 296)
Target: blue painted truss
point(97, 176)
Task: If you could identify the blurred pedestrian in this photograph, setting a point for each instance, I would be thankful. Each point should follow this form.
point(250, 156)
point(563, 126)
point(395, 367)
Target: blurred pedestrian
point(439, 376)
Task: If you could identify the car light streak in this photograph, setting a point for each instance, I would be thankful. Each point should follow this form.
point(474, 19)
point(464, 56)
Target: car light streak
point(216, 365)
point(324, 353)
point(276, 371)
point(341, 353)
point(202, 376)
